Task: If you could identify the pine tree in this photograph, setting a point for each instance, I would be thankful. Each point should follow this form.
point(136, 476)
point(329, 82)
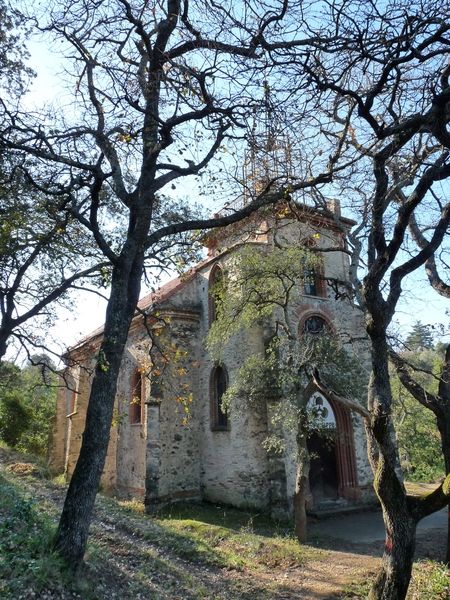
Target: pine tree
point(420, 337)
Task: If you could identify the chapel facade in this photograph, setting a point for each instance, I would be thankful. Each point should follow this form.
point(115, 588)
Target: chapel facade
point(171, 440)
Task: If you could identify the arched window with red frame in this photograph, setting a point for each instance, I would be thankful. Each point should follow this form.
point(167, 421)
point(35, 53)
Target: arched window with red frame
point(315, 325)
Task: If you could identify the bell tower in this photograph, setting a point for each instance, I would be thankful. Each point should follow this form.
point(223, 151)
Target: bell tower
point(268, 159)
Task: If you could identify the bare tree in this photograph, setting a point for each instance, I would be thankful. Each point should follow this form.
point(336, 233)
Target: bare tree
point(38, 265)
point(43, 255)
point(383, 87)
point(159, 89)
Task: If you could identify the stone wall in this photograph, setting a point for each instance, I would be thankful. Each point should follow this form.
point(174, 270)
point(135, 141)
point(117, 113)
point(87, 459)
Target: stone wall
point(81, 377)
point(131, 437)
point(172, 456)
point(62, 421)
point(234, 466)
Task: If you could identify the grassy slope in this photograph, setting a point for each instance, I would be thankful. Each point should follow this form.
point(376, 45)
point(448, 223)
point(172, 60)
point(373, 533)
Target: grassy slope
point(181, 554)
point(189, 552)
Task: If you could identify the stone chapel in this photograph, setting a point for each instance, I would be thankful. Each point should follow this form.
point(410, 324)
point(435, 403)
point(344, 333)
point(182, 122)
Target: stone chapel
point(158, 454)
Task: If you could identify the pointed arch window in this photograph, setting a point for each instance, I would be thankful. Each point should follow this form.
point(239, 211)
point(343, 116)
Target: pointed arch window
point(218, 387)
point(215, 279)
point(137, 396)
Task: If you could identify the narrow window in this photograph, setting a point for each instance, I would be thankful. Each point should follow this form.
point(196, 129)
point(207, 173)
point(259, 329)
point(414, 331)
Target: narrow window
point(136, 404)
point(313, 282)
point(215, 280)
point(310, 281)
point(219, 384)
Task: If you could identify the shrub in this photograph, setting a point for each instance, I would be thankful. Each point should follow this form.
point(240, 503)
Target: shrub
point(15, 418)
point(27, 404)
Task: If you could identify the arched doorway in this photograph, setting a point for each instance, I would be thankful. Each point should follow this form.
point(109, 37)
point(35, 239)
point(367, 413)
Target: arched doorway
point(333, 463)
point(323, 474)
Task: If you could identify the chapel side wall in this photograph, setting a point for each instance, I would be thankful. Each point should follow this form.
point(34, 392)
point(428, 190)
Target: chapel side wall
point(179, 468)
point(162, 442)
point(131, 437)
point(179, 472)
point(61, 424)
point(172, 454)
point(77, 420)
point(77, 426)
point(234, 463)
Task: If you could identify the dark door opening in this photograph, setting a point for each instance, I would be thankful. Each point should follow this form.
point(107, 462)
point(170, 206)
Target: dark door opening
point(323, 477)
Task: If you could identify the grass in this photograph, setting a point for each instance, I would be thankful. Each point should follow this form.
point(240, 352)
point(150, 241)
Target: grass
point(132, 555)
point(177, 554)
point(216, 535)
point(430, 581)
point(418, 489)
point(27, 564)
point(357, 590)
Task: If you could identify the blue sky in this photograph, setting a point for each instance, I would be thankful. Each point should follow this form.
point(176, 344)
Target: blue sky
point(419, 302)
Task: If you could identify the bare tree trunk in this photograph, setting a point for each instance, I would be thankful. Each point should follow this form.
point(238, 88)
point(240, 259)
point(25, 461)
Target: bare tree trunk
point(6, 328)
point(393, 579)
point(394, 576)
point(443, 422)
point(3, 344)
point(72, 534)
point(301, 484)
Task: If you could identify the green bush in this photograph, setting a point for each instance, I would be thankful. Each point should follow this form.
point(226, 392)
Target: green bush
point(28, 568)
point(15, 417)
point(27, 405)
point(417, 434)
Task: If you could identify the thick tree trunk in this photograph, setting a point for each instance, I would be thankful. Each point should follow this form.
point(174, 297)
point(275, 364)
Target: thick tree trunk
point(443, 422)
point(447, 472)
point(444, 430)
point(71, 536)
point(393, 579)
point(394, 576)
point(301, 484)
point(4, 336)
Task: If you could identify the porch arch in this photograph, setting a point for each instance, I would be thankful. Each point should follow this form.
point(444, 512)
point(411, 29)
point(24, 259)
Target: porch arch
point(344, 447)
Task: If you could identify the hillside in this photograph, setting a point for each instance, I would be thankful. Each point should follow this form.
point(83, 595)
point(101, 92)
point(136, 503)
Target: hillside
point(190, 552)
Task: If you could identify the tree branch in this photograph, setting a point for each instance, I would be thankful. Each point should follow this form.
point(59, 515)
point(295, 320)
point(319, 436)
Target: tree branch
point(438, 499)
point(331, 395)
